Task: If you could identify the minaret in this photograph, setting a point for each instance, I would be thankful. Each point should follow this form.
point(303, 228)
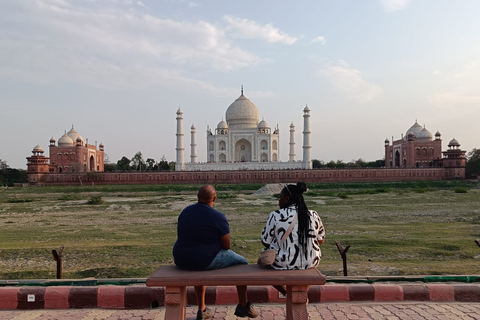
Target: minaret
point(180, 163)
point(193, 146)
point(307, 161)
point(292, 144)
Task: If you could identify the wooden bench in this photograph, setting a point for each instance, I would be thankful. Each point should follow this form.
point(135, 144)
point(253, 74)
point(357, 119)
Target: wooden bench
point(176, 280)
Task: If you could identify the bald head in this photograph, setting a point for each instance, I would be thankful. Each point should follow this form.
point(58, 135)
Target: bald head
point(207, 195)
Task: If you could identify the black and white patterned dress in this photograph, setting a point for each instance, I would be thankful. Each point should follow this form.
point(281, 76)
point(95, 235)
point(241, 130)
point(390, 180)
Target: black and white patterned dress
point(291, 255)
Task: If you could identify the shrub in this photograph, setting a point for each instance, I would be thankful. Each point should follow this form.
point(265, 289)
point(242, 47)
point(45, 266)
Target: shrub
point(342, 195)
point(15, 200)
point(95, 200)
point(460, 190)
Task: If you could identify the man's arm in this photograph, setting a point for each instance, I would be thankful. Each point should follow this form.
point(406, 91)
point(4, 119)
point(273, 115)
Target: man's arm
point(225, 241)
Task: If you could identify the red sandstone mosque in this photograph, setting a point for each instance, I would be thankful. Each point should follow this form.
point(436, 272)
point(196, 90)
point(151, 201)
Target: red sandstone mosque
point(418, 149)
point(72, 155)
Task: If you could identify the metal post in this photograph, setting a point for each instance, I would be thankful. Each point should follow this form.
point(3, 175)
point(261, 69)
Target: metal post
point(58, 258)
point(343, 254)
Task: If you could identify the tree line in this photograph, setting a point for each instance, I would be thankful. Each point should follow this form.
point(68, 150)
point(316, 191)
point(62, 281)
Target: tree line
point(9, 176)
point(360, 163)
point(138, 163)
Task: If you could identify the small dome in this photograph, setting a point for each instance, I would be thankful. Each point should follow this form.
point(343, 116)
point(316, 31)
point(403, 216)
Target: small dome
point(74, 135)
point(101, 145)
point(424, 135)
point(222, 125)
point(52, 140)
point(437, 134)
point(263, 125)
point(193, 127)
point(292, 125)
point(387, 141)
point(37, 149)
point(306, 109)
point(65, 141)
point(454, 143)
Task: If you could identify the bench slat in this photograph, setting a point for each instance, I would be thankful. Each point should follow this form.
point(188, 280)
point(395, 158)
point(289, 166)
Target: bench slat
point(236, 275)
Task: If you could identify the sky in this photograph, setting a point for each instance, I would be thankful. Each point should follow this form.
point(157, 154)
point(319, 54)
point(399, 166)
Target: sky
point(118, 70)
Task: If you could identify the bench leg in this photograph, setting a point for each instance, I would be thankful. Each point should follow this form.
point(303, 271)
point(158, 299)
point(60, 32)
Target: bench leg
point(175, 303)
point(297, 299)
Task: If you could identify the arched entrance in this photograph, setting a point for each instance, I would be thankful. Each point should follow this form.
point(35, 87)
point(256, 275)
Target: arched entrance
point(92, 163)
point(397, 159)
point(243, 151)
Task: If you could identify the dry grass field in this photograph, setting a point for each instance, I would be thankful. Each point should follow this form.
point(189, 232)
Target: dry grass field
point(127, 231)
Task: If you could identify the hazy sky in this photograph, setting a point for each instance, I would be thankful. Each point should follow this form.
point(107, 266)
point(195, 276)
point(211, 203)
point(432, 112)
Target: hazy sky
point(118, 70)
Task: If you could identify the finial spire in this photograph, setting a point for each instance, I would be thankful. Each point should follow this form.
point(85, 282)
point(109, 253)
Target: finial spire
point(242, 89)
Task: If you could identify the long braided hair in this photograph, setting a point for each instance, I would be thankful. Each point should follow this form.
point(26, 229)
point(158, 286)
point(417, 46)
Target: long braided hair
point(295, 194)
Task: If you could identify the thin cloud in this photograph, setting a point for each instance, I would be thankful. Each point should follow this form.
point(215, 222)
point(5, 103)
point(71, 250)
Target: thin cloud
point(394, 5)
point(350, 82)
point(462, 92)
point(320, 40)
point(248, 29)
point(112, 46)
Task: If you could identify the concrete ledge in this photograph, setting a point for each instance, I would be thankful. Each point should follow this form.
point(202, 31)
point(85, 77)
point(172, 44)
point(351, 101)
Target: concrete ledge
point(142, 297)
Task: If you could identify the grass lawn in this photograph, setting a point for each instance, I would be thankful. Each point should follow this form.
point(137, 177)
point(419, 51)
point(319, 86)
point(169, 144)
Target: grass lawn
point(409, 228)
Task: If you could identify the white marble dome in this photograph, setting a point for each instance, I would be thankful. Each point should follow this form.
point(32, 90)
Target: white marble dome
point(263, 125)
point(65, 141)
point(425, 135)
point(242, 113)
point(415, 129)
point(222, 125)
point(454, 143)
point(74, 135)
point(37, 149)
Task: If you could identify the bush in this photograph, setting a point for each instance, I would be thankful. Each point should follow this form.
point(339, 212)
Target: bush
point(95, 200)
point(69, 197)
point(460, 190)
point(342, 195)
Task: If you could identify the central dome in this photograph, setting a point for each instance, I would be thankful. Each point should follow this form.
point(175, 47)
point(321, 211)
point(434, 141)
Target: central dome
point(242, 113)
point(415, 129)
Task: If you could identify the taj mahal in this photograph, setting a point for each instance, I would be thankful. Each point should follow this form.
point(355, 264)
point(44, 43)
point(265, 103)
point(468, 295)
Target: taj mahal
point(242, 142)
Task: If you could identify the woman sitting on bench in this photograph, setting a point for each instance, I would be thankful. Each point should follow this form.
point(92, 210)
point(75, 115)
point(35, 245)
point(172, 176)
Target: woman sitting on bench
point(301, 249)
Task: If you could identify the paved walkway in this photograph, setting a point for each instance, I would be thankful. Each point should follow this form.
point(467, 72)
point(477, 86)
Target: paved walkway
point(317, 311)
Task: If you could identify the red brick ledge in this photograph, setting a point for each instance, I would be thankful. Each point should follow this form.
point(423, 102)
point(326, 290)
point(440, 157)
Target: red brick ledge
point(142, 297)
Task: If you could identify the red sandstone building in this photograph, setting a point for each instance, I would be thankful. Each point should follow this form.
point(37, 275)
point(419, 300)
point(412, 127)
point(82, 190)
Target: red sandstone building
point(72, 155)
point(418, 149)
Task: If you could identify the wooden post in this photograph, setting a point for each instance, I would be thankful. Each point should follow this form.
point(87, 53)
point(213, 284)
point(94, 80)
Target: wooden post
point(58, 258)
point(343, 254)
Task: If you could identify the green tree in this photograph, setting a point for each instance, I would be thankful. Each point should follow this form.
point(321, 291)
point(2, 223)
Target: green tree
point(163, 164)
point(171, 165)
point(124, 164)
point(375, 164)
point(151, 164)
point(109, 167)
point(331, 164)
point(317, 164)
point(3, 171)
point(472, 167)
point(137, 162)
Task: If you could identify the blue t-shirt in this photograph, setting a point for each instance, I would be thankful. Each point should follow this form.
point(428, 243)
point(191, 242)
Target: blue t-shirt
point(198, 236)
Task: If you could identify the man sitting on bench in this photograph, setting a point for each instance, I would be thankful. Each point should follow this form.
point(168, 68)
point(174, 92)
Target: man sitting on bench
point(203, 243)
